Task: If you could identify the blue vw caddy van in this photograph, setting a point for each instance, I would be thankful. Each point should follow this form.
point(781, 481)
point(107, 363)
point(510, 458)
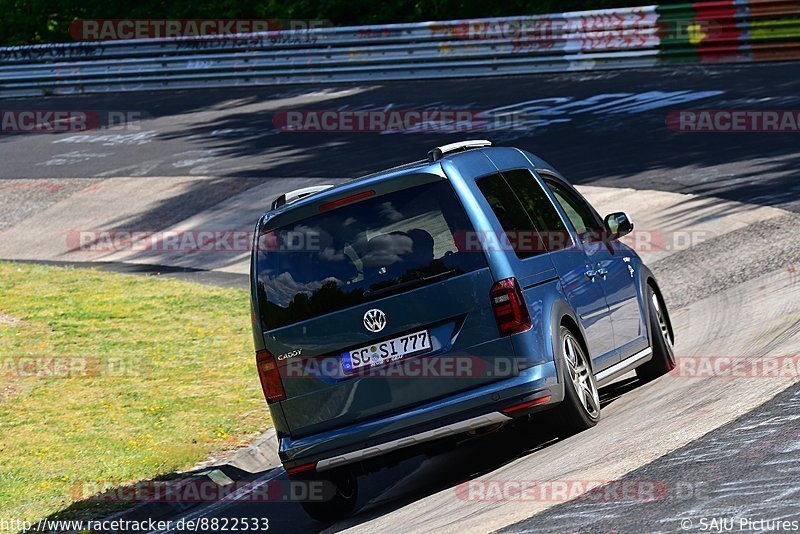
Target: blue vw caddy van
point(447, 296)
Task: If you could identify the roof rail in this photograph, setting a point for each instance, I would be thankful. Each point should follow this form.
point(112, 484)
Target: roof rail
point(297, 194)
point(441, 151)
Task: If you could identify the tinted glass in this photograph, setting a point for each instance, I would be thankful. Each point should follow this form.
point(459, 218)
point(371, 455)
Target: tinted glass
point(580, 214)
point(521, 235)
point(363, 251)
point(539, 208)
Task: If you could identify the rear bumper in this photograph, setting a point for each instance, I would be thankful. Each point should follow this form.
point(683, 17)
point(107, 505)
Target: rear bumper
point(445, 417)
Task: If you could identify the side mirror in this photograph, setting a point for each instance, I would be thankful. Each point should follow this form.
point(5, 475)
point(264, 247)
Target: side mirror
point(618, 225)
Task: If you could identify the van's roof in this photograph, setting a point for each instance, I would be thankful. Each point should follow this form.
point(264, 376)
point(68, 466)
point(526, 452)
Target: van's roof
point(393, 173)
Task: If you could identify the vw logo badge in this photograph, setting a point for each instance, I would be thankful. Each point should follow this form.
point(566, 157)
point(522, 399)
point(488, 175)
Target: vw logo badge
point(374, 320)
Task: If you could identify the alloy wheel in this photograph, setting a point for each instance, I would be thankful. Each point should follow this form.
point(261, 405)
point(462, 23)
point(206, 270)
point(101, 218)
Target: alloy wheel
point(580, 375)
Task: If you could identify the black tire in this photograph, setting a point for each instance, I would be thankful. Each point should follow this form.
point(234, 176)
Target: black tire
point(575, 415)
point(342, 491)
point(661, 341)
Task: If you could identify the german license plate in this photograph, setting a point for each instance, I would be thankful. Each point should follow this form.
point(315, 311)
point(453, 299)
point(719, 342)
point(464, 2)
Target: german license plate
point(387, 351)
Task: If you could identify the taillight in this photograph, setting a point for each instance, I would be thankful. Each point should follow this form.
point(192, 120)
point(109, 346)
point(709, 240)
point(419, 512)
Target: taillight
point(509, 307)
point(270, 377)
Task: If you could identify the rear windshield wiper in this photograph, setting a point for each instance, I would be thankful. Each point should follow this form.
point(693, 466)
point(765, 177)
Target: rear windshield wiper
point(409, 283)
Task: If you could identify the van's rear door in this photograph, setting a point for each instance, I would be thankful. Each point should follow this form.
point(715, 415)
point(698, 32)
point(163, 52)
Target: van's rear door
point(375, 305)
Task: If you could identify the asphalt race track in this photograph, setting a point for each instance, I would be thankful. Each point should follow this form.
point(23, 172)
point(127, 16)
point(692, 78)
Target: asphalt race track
point(709, 445)
point(596, 133)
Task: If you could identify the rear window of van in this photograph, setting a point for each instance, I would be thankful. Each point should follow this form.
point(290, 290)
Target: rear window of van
point(362, 252)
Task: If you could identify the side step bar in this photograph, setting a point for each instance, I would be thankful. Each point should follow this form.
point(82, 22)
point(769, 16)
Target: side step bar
point(624, 366)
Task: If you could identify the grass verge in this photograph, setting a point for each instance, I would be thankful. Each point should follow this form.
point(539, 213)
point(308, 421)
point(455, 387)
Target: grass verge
point(106, 379)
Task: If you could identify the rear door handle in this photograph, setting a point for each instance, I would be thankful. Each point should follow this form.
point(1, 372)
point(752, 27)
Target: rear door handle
point(602, 272)
point(591, 274)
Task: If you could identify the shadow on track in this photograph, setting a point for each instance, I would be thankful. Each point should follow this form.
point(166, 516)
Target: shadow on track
point(443, 468)
point(450, 466)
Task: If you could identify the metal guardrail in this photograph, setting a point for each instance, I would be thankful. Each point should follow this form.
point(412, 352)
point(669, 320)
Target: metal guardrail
point(730, 30)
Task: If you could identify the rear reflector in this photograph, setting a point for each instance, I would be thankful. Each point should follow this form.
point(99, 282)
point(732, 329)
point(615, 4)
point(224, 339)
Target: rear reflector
point(509, 307)
point(301, 468)
point(346, 200)
point(270, 377)
point(528, 404)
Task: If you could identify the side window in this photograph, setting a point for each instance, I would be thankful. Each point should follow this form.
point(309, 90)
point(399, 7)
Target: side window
point(520, 231)
point(541, 211)
point(579, 213)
